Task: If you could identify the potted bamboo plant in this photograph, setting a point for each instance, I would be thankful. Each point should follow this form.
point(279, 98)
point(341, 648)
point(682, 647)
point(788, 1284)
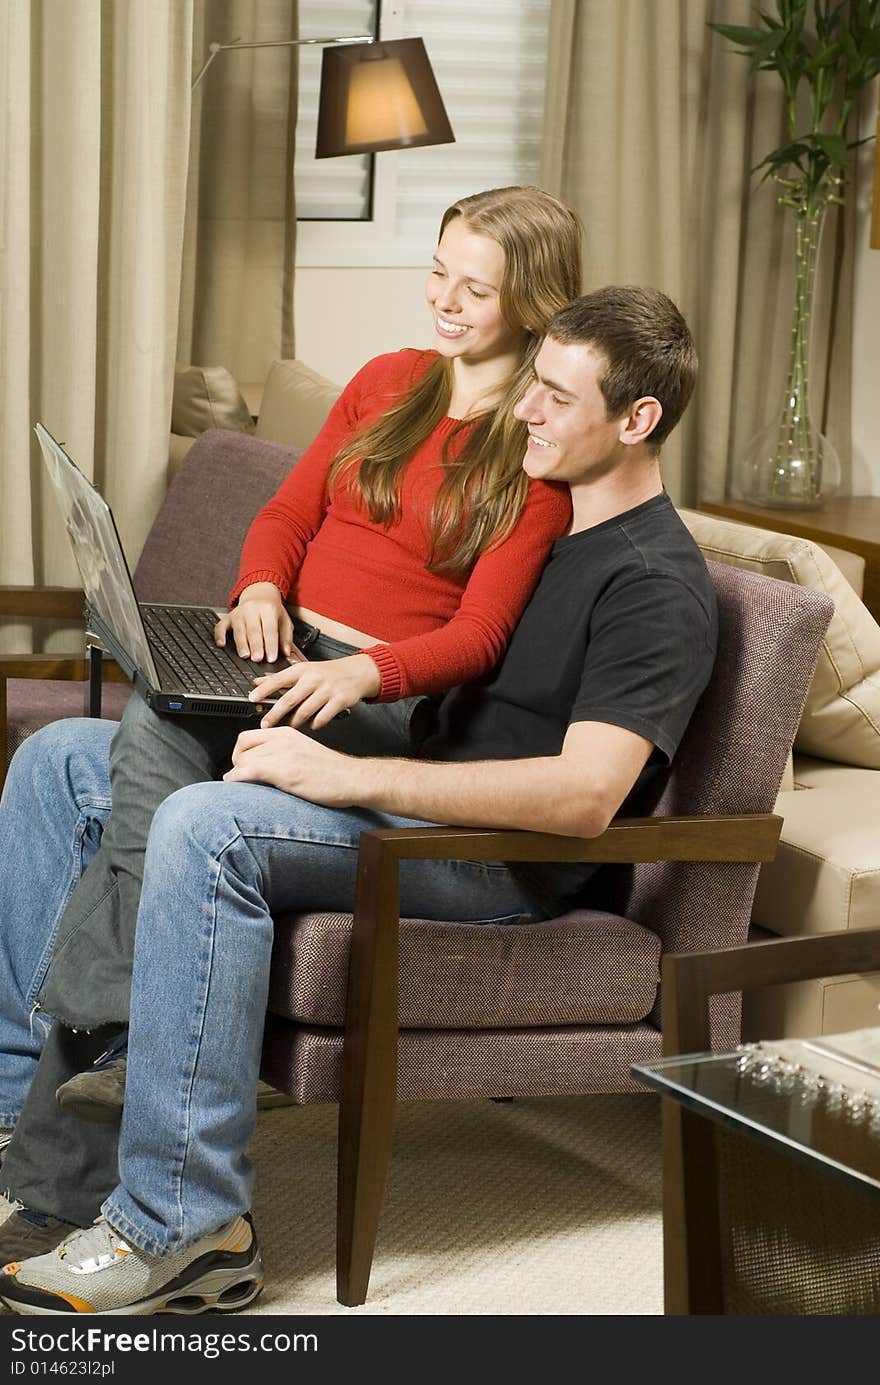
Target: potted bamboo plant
point(824, 52)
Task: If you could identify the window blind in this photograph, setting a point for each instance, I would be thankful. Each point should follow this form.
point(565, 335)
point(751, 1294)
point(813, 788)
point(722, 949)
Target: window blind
point(489, 61)
point(327, 189)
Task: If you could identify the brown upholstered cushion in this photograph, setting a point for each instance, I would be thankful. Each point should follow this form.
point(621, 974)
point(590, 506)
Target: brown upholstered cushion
point(435, 1065)
point(582, 968)
point(33, 702)
point(192, 551)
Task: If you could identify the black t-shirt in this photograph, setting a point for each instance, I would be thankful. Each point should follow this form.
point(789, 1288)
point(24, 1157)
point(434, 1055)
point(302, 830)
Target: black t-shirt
point(621, 628)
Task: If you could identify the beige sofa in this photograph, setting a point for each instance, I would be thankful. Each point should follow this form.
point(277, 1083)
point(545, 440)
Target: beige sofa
point(826, 875)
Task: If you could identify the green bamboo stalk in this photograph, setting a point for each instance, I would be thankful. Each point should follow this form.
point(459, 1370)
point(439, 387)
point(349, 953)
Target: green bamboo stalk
point(795, 471)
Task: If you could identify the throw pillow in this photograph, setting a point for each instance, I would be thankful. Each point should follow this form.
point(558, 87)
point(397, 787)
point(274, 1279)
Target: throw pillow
point(207, 397)
point(296, 401)
point(841, 719)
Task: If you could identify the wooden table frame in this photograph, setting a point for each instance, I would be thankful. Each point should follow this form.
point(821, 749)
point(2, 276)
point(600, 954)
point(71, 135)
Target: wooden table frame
point(691, 1231)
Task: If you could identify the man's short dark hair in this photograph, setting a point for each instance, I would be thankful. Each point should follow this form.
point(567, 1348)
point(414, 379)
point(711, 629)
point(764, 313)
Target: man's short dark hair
point(647, 346)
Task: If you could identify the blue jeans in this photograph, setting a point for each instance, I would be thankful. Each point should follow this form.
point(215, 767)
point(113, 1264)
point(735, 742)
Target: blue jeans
point(220, 859)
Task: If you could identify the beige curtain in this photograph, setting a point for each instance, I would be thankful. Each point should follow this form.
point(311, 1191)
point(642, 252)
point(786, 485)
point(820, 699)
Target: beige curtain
point(652, 125)
point(94, 115)
point(237, 289)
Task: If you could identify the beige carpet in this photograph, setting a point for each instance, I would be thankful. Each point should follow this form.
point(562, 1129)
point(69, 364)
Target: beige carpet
point(529, 1207)
point(526, 1207)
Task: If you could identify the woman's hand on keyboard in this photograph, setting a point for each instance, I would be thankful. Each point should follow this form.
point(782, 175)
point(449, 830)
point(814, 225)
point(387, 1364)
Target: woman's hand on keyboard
point(319, 691)
point(260, 626)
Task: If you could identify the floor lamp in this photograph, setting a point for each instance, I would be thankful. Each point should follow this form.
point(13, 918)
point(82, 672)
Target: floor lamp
point(375, 95)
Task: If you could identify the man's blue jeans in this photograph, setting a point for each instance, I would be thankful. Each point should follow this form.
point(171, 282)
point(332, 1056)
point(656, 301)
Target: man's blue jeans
point(220, 859)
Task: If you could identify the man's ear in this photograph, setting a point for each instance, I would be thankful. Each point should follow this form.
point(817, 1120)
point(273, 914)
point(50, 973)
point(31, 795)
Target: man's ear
point(641, 421)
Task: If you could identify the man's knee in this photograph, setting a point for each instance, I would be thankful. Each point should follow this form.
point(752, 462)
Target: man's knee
point(193, 815)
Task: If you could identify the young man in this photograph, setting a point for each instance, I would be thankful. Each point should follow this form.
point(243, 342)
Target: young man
point(591, 700)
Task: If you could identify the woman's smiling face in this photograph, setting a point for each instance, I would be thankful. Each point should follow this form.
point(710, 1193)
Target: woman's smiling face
point(464, 295)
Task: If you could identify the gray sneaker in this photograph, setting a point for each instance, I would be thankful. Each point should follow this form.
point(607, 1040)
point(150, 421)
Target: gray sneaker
point(25, 1234)
point(97, 1094)
point(97, 1271)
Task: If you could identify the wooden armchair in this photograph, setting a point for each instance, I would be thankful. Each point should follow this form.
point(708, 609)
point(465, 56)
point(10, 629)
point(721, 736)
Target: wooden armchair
point(370, 1009)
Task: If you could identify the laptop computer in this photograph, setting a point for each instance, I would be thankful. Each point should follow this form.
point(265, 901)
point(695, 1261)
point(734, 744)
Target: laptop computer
point(167, 651)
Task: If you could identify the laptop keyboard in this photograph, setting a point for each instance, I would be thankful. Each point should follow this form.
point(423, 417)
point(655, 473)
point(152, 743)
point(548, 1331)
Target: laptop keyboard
point(184, 638)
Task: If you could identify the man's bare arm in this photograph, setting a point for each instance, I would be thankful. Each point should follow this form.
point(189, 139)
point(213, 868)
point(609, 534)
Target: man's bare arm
point(575, 793)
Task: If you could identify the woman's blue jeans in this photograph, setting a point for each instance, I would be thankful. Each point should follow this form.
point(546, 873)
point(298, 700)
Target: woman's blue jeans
point(220, 859)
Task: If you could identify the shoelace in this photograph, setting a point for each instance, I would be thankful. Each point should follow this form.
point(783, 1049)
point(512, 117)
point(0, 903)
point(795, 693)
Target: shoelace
point(92, 1248)
point(117, 1048)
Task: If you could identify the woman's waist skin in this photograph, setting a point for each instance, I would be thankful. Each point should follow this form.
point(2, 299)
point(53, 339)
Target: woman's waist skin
point(334, 628)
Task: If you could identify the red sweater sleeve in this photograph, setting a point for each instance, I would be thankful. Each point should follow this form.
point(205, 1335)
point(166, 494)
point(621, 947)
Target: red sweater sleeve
point(500, 584)
point(276, 541)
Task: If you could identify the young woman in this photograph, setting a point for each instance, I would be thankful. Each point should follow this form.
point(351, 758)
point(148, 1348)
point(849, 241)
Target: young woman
point(398, 555)
point(408, 530)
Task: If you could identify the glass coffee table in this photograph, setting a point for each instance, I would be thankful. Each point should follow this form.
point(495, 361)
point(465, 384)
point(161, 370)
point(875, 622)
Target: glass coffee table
point(784, 1211)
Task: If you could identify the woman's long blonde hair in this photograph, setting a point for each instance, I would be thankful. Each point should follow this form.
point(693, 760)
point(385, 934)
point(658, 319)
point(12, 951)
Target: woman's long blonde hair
point(484, 488)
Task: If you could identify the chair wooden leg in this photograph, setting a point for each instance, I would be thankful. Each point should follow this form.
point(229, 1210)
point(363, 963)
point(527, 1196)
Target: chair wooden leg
point(369, 1079)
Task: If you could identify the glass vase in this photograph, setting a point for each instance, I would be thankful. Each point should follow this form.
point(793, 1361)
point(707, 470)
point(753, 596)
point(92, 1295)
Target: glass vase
point(790, 462)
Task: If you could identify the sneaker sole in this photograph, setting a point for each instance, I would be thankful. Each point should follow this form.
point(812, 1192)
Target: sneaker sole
point(216, 1291)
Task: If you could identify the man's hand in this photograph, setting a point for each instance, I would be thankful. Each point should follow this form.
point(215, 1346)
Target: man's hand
point(292, 761)
point(319, 691)
point(260, 625)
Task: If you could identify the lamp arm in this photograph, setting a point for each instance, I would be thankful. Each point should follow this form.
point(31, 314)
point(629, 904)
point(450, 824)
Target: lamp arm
point(215, 48)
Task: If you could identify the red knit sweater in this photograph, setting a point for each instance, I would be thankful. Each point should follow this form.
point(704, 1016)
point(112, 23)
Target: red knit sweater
point(322, 551)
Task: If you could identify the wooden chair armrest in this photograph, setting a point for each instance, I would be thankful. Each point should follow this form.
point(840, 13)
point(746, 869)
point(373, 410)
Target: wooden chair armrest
point(746, 837)
point(689, 979)
point(42, 601)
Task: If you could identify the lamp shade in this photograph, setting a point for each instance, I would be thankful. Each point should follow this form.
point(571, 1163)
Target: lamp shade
point(378, 96)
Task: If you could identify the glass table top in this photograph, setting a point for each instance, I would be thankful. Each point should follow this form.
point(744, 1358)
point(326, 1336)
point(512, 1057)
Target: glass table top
point(777, 1103)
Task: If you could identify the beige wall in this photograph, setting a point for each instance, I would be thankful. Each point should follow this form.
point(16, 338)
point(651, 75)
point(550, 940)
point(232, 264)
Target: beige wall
point(345, 316)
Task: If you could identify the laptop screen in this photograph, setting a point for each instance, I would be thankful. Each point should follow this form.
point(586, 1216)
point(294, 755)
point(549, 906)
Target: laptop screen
point(98, 552)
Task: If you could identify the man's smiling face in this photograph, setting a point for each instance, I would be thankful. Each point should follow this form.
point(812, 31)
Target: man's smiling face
point(571, 437)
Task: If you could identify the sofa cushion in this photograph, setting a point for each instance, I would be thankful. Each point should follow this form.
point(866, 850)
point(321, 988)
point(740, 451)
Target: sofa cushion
point(841, 719)
point(207, 397)
point(585, 967)
point(296, 401)
point(826, 873)
point(192, 550)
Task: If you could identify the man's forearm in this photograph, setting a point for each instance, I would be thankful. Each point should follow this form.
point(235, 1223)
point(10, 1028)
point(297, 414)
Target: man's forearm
point(544, 794)
point(575, 793)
